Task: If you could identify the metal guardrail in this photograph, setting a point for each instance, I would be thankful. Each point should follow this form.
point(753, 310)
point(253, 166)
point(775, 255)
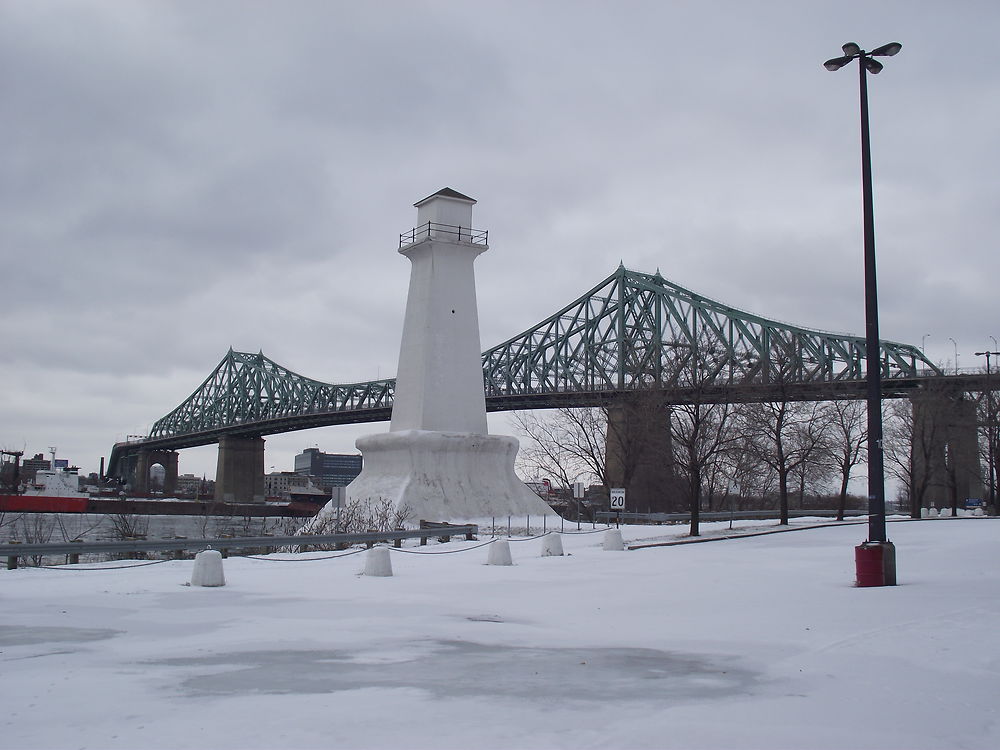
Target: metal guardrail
point(446, 231)
point(743, 515)
point(166, 545)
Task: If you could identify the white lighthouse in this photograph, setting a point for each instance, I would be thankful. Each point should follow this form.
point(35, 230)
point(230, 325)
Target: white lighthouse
point(439, 384)
point(438, 461)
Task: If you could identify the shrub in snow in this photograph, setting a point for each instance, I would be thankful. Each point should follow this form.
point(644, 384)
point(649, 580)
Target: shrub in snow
point(208, 569)
point(377, 562)
point(500, 553)
point(372, 514)
point(613, 540)
point(552, 545)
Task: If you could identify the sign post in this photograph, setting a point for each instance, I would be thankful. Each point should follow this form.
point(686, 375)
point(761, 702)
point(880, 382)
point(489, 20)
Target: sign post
point(578, 496)
point(618, 502)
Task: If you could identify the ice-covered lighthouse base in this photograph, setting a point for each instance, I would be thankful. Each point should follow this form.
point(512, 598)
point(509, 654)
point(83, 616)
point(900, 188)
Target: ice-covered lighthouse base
point(442, 476)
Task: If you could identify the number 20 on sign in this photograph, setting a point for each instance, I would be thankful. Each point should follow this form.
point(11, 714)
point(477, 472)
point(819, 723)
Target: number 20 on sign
point(617, 498)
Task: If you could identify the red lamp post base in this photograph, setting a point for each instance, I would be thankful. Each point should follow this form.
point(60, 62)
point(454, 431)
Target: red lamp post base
point(875, 563)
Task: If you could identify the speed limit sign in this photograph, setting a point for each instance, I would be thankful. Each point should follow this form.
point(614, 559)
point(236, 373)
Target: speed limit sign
point(617, 498)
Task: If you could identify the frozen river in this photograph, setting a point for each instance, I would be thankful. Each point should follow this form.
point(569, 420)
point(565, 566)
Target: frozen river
point(93, 527)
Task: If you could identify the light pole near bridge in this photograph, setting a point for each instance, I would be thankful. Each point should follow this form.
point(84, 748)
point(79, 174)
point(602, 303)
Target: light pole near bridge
point(876, 559)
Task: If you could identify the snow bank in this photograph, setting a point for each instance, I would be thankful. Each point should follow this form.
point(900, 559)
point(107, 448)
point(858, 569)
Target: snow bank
point(742, 643)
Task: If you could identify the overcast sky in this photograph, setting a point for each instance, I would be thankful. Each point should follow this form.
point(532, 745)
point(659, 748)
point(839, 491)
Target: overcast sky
point(182, 177)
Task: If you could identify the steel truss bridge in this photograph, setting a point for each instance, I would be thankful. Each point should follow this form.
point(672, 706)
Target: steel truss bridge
point(632, 332)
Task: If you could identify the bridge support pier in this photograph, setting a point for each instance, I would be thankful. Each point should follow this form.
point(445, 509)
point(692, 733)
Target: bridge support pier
point(944, 451)
point(239, 474)
point(639, 454)
point(145, 461)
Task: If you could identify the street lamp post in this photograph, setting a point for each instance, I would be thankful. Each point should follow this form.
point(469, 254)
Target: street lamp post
point(877, 545)
point(991, 440)
point(955, 344)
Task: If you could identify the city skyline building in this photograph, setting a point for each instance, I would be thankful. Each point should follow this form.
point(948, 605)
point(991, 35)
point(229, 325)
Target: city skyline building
point(328, 470)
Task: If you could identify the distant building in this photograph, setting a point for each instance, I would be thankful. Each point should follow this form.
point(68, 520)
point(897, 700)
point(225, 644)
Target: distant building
point(188, 485)
point(281, 483)
point(29, 466)
point(288, 485)
point(328, 470)
point(157, 475)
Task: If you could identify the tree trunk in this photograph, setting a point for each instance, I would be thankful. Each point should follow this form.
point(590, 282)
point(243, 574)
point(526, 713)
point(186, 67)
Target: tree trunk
point(695, 502)
point(783, 496)
point(845, 477)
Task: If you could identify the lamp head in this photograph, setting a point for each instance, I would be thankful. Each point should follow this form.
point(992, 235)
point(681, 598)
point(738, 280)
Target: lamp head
point(874, 66)
point(887, 50)
point(851, 49)
point(837, 62)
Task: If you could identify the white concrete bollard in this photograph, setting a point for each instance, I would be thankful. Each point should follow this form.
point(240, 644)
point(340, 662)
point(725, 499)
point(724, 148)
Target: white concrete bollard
point(208, 569)
point(613, 540)
point(377, 562)
point(932, 512)
point(500, 553)
point(552, 545)
point(977, 511)
point(924, 512)
point(945, 513)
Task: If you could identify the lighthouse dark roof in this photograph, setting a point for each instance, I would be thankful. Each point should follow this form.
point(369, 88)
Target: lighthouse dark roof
point(446, 192)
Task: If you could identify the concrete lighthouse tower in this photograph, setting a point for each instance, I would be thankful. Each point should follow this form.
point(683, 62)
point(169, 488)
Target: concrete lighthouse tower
point(438, 461)
point(439, 384)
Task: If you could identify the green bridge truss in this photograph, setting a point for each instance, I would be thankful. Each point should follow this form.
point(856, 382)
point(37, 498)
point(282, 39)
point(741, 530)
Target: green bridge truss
point(247, 392)
point(636, 331)
point(633, 331)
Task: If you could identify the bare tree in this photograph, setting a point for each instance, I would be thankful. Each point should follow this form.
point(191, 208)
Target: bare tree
point(8, 521)
point(36, 528)
point(566, 444)
point(749, 479)
point(848, 427)
point(701, 434)
point(898, 449)
point(785, 434)
point(129, 525)
point(628, 444)
point(988, 449)
point(811, 478)
point(701, 428)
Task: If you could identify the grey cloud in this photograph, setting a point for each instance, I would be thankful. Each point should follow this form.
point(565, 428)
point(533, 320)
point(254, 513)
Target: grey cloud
point(178, 178)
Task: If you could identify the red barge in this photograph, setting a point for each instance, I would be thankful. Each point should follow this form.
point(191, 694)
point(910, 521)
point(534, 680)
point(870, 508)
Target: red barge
point(57, 491)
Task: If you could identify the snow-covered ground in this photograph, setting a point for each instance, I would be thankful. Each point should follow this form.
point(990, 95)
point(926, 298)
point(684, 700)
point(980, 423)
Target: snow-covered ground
point(760, 642)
